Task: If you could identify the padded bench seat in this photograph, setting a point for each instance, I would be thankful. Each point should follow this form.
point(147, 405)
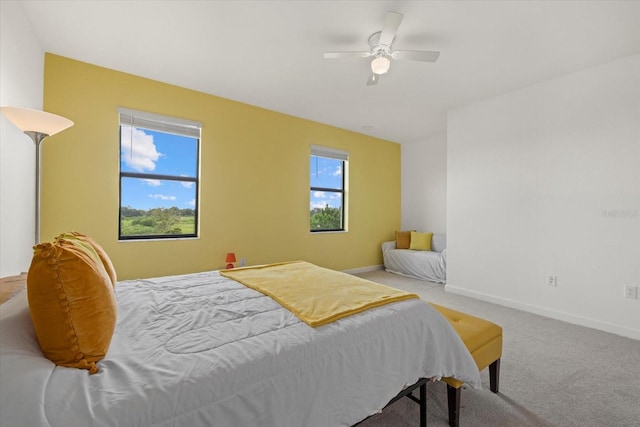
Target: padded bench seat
point(484, 341)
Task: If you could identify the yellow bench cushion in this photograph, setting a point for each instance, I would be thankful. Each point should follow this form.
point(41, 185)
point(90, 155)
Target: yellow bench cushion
point(482, 338)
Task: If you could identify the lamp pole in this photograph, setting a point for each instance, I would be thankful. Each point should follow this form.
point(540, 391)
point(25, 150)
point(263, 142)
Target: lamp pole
point(37, 138)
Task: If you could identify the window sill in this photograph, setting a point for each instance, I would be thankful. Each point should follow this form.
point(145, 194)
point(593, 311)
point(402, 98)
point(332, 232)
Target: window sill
point(157, 240)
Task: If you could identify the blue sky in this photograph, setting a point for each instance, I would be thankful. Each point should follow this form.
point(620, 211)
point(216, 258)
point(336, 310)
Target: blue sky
point(325, 173)
point(147, 151)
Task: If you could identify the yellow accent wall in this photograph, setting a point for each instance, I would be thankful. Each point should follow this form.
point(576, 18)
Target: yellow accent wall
point(254, 170)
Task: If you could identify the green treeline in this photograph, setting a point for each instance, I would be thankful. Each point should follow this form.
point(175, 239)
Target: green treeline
point(156, 221)
point(169, 221)
point(326, 218)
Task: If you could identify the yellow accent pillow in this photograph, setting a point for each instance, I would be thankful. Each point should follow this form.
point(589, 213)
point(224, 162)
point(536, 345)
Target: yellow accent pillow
point(403, 239)
point(420, 241)
point(79, 238)
point(72, 303)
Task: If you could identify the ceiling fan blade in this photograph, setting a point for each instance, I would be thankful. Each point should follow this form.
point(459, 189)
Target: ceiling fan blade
point(391, 23)
point(335, 55)
point(416, 55)
point(373, 79)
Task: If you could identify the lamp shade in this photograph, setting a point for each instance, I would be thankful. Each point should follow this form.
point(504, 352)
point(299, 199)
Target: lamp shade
point(380, 65)
point(231, 258)
point(28, 120)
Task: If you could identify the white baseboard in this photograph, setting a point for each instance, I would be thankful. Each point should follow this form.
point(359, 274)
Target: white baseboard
point(542, 311)
point(364, 269)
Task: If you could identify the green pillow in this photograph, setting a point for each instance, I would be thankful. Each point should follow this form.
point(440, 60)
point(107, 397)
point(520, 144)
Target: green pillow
point(420, 241)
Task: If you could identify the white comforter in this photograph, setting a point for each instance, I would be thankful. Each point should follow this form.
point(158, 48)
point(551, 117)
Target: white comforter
point(203, 350)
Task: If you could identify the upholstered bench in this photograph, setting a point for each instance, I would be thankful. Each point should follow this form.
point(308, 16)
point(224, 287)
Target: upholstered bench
point(484, 341)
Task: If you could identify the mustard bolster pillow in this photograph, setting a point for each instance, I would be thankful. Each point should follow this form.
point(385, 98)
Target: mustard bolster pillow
point(72, 304)
point(420, 241)
point(80, 239)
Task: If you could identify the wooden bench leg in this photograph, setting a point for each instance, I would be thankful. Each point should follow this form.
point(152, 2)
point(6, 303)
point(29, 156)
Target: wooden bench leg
point(454, 394)
point(423, 405)
point(494, 376)
point(453, 400)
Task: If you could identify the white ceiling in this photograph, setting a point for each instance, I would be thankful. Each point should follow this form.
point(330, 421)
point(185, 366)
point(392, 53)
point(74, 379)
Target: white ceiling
point(270, 53)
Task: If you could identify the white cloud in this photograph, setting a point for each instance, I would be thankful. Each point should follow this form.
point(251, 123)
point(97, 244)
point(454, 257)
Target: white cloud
point(162, 197)
point(319, 194)
point(153, 182)
point(338, 171)
point(138, 150)
point(318, 205)
point(192, 202)
point(186, 184)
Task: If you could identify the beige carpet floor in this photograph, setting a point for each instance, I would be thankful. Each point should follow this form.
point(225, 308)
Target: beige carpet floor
point(552, 373)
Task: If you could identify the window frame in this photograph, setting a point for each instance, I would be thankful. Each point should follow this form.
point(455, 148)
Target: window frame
point(168, 125)
point(334, 154)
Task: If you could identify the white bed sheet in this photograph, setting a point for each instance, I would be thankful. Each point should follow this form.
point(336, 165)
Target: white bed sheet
point(203, 350)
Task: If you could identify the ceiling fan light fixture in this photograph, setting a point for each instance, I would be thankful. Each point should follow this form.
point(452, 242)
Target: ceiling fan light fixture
point(380, 65)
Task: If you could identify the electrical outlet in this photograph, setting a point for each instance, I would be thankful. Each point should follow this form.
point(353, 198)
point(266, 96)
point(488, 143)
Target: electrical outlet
point(552, 281)
point(243, 262)
point(630, 292)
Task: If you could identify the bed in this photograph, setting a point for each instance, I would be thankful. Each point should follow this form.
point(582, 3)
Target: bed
point(428, 265)
point(202, 349)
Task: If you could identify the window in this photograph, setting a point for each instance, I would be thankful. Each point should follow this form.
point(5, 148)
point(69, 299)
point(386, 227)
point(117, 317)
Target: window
point(159, 176)
point(328, 168)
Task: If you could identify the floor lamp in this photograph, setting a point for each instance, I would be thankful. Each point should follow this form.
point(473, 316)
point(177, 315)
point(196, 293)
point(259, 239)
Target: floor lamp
point(38, 125)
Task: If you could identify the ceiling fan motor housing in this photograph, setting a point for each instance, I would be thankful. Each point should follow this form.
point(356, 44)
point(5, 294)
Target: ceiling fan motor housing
point(378, 49)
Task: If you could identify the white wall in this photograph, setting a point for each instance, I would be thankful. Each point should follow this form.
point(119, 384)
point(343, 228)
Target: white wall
point(424, 185)
point(546, 181)
point(21, 85)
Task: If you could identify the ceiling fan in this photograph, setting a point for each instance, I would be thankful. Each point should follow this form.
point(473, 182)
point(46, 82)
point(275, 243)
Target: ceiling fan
point(380, 44)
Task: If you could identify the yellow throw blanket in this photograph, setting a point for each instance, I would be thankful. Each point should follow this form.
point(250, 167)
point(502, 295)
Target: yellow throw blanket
point(316, 295)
